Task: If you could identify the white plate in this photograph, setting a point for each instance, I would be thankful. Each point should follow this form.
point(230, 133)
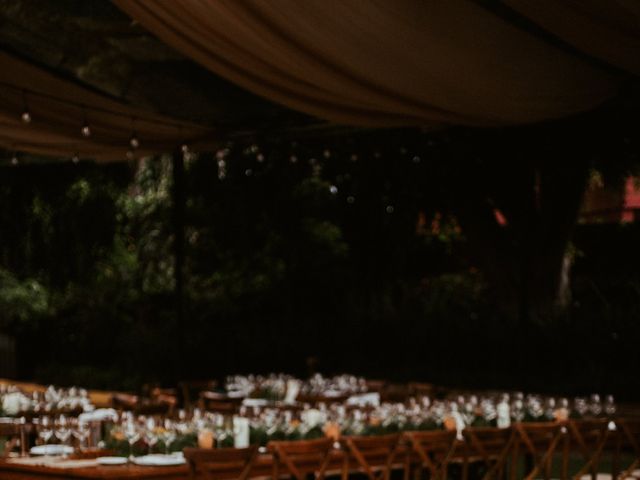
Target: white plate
point(111, 460)
point(51, 450)
point(159, 460)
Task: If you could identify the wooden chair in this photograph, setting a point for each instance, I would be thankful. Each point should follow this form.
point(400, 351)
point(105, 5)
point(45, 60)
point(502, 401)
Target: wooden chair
point(124, 401)
point(301, 457)
point(434, 450)
point(628, 439)
point(489, 445)
point(589, 437)
point(14, 435)
point(220, 464)
point(374, 455)
point(219, 403)
point(190, 390)
point(539, 441)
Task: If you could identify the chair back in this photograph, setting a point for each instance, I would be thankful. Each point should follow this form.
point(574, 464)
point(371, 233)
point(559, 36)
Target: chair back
point(540, 440)
point(374, 456)
point(588, 437)
point(492, 445)
point(628, 431)
point(13, 434)
point(301, 457)
point(434, 450)
point(220, 463)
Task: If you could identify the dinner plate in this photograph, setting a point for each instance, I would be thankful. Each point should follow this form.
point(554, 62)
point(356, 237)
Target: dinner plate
point(159, 460)
point(111, 460)
point(51, 450)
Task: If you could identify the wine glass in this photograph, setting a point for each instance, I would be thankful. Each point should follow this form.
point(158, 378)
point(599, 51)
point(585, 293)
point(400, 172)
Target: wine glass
point(132, 433)
point(82, 433)
point(150, 434)
point(63, 430)
point(168, 435)
point(45, 430)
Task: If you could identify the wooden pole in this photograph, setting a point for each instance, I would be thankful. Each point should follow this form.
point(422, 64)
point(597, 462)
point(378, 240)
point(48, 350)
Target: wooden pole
point(178, 231)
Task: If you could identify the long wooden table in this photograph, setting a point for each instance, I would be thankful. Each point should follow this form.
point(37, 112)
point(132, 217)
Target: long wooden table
point(9, 470)
point(17, 471)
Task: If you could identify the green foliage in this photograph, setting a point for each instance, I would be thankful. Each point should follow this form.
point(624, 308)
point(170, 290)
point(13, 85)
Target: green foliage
point(21, 301)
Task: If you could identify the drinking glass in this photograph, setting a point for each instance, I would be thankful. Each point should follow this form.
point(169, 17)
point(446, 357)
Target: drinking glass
point(45, 430)
point(168, 435)
point(132, 433)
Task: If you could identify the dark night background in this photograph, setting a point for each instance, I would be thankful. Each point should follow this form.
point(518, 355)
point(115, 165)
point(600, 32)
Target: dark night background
point(279, 268)
point(400, 272)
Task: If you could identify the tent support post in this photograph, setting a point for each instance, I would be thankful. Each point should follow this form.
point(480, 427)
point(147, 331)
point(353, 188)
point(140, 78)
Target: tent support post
point(178, 231)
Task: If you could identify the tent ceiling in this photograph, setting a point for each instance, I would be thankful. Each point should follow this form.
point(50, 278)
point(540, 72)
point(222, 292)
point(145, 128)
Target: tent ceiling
point(97, 44)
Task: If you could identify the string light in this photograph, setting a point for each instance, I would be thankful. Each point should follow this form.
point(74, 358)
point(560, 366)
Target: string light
point(85, 130)
point(248, 172)
point(293, 159)
point(184, 148)
point(134, 141)
point(26, 115)
point(130, 155)
point(260, 158)
point(389, 209)
point(75, 158)
point(14, 159)
point(333, 189)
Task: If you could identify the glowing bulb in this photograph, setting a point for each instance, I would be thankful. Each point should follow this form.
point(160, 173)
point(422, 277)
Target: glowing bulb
point(130, 155)
point(134, 142)
point(75, 158)
point(26, 117)
point(14, 160)
point(185, 148)
point(333, 189)
point(86, 131)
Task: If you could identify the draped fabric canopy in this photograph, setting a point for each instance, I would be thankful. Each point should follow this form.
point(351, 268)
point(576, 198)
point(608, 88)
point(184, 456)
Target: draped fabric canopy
point(402, 62)
point(608, 30)
point(59, 108)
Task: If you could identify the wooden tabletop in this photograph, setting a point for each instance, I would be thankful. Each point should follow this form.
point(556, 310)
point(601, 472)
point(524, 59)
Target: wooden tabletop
point(17, 471)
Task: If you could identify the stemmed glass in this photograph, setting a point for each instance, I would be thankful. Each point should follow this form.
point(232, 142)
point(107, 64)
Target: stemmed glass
point(81, 433)
point(132, 433)
point(45, 430)
point(168, 435)
point(63, 431)
point(150, 434)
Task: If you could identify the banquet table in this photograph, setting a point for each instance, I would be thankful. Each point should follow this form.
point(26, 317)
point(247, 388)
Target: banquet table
point(19, 469)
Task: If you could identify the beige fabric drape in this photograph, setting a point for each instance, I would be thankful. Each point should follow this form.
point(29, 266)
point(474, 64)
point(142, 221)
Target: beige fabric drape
point(59, 108)
point(380, 62)
point(606, 29)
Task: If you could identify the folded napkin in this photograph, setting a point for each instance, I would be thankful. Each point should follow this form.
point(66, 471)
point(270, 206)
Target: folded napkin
point(100, 414)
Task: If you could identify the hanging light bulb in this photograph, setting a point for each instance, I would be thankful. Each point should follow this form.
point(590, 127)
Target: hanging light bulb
point(26, 115)
point(85, 130)
point(134, 141)
point(14, 159)
point(185, 148)
point(75, 158)
point(130, 155)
